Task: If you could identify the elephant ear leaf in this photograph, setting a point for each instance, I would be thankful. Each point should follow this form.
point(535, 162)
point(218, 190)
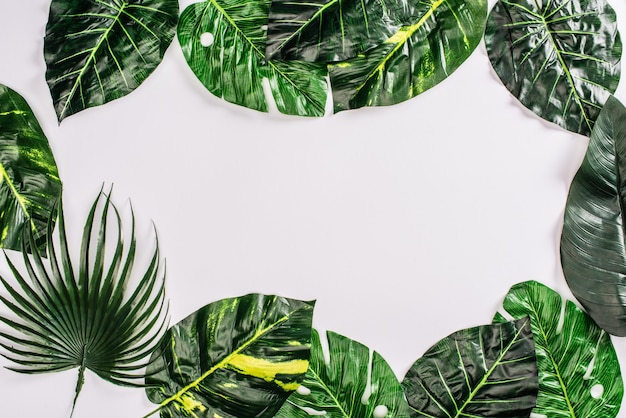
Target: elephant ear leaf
point(561, 59)
point(485, 371)
point(100, 50)
point(239, 357)
point(30, 183)
point(579, 373)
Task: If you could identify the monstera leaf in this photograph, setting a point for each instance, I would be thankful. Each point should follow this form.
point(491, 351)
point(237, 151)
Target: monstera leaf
point(486, 371)
point(30, 183)
point(433, 39)
point(224, 44)
point(559, 58)
point(100, 50)
point(239, 357)
point(579, 374)
point(593, 250)
point(355, 383)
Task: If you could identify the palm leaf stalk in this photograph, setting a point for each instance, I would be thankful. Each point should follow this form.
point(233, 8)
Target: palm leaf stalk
point(85, 318)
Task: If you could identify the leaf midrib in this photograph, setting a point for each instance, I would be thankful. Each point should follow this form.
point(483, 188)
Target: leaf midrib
point(18, 197)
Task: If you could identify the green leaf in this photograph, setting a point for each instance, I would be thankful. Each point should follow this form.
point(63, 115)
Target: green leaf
point(561, 59)
point(224, 44)
point(100, 50)
point(354, 383)
point(436, 38)
point(579, 374)
point(593, 249)
point(29, 184)
point(239, 357)
point(487, 371)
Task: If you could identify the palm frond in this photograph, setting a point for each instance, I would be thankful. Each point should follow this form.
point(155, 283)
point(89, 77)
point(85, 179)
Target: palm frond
point(85, 318)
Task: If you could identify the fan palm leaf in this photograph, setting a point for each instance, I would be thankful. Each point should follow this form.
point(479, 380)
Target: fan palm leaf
point(85, 318)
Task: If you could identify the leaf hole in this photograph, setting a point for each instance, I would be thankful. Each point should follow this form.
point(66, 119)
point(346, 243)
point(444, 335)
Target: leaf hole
point(380, 411)
point(597, 391)
point(303, 390)
point(264, 27)
point(206, 39)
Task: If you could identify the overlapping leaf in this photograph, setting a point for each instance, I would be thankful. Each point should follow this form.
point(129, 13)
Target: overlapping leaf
point(29, 184)
point(560, 58)
point(354, 383)
point(239, 357)
point(579, 374)
point(487, 371)
point(100, 50)
point(224, 44)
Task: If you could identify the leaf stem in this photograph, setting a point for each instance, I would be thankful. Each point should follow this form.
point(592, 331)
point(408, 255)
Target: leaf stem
point(81, 379)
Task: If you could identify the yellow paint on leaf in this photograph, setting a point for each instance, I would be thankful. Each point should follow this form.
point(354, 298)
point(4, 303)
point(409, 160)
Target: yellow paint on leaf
point(267, 370)
point(406, 32)
point(188, 404)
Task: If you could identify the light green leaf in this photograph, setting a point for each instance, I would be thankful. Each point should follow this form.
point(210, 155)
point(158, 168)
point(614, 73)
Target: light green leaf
point(579, 374)
point(100, 50)
point(354, 383)
point(561, 59)
point(29, 180)
point(224, 44)
point(487, 371)
point(236, 358)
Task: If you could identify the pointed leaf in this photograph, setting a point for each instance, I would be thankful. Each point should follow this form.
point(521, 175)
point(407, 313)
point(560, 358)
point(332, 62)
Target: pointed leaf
point(100, 50)
point(579, 374)
point(356, 383)
point(239, 357)
point(561, 59)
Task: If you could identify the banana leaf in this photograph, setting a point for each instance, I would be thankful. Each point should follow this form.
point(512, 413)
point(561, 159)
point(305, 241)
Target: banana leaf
point(99, 50)
point(560, 58)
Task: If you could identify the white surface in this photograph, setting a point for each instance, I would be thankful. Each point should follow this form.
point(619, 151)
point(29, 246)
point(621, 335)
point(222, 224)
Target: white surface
point(406, 223)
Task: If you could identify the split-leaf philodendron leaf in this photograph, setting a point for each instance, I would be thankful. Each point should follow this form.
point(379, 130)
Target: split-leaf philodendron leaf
point(355, 383)
point(579, 373)
point(223, 42)
point(487, 371)
point(29, 184)
point(100, 50)
point(593, 248)
point(561, 59)
point(433, 39)
point(236, 358)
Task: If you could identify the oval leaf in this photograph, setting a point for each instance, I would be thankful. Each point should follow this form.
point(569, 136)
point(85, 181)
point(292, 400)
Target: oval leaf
point(30, 183)
point(239, 357)
point(224, 44)
point(561, 59)
point(579, 374)
point(353, 384)
point(441, 35)
point(100, 50)
point(486, 371)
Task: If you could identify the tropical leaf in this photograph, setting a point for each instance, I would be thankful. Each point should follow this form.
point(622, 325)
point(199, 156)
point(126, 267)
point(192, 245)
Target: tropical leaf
point(100, 50)
point(487, 371)
point(579, 374)
point(354, 383)
point(85, 318)
point(224, 44)
point(30, 181)
point(236, 358)
point(560, 58)
point(435, 37)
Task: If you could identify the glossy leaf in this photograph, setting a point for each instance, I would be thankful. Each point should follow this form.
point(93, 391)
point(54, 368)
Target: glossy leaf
point(488, 371)
point(30, 183)
point(354, 383)
point(434, 39)
point(561, 59)
point(239, 357)
point(100, 50)
point(579, 374)
point(593, 250)
point(224, 44)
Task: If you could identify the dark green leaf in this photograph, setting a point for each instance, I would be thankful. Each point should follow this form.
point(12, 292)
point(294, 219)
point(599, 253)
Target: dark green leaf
point(239, 357)
point(435, 37)
point(224, 44)
point(561, 59)
point(579, 374)
point(30, 183)
point(100, 50)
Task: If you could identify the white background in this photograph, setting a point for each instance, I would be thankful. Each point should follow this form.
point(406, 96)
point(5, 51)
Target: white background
point(405, 223)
